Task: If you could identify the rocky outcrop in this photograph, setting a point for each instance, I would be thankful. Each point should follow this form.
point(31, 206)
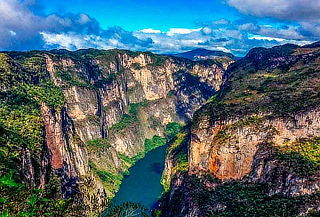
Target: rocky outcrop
point(255, 144)
point(227, 149)
point(113, 101)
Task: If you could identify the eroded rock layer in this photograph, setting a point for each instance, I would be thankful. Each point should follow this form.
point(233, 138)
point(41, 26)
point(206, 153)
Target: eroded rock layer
point(253, 149)
point(97, 108)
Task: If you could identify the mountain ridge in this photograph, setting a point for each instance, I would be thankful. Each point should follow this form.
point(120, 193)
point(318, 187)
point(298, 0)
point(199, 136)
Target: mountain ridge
point(73, 122)
point(248, 148)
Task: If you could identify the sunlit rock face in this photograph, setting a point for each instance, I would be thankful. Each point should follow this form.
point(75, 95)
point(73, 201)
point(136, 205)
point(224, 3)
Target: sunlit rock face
point(256, 140)
point(232, 157)
point(113, 101)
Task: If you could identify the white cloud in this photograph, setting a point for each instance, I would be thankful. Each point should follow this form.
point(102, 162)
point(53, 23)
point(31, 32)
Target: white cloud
point(259, 37)
point(206, 30)
point(150, 30)
point(291, 32)
point(281, 40)
point(13, 33)
point(174, 40)
point(223, 49)
point(234, 37)
point(23, 29)
point(74, 41)
point(312, 28)
point(174, 31)
point(248, 27)
point(66, 41)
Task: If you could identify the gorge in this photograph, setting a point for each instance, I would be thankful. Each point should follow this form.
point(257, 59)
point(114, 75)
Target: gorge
point(242, 134)
point(143, 183)
point(92, 114)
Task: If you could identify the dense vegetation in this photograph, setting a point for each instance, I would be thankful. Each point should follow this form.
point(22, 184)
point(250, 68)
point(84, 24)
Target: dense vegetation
point(301, 158)
point(266, 84)
point(97, 145)
point(127, 209)
point(128, 119)
point(281, 85)
point(241, 199)
point(18, 199)
point(177, 152)
point(27, 70)
point(233, 198)
point(21, 138)
point(150, 144)
point(172, 129)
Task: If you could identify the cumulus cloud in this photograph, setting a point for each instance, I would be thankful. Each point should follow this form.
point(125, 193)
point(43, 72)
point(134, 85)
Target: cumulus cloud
point(298, 10)
point(174, 31)
point(72, 41)
point(173, 40)
point(236, 37)
point(16, 24)
point(150, 30)
point(305, 15)
point(23, 29)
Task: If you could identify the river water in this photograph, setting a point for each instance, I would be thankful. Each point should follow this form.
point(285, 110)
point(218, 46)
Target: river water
point(143, 184)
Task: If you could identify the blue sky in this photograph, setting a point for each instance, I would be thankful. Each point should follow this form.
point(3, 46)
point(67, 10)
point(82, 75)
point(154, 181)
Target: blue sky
point(167, 26)
point(134, 15)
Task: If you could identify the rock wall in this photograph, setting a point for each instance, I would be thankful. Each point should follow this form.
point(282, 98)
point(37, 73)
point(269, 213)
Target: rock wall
point(248, 156)
point(99, 90)
point(232, 157)
point(254, 147)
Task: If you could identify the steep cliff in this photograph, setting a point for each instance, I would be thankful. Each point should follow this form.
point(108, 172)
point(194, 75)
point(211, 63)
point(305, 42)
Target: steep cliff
point(93, 113)
point(254, 148)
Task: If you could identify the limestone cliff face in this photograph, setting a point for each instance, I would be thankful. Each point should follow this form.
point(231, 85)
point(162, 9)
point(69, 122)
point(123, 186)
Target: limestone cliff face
point(114, 100)
point(67, 154)
point(232, 157)
point(245, 154)
point(257, 140)
point(134, 79)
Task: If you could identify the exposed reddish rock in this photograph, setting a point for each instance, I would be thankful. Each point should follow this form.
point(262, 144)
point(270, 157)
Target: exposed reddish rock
point(233, 157)
point(54, 136)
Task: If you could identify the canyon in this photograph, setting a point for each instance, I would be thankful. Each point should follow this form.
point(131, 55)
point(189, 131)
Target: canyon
point(247, 142)
point(96, 110)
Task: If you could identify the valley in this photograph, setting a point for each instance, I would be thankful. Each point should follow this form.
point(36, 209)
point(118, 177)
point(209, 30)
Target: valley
point(86, 130)
point(95, 113)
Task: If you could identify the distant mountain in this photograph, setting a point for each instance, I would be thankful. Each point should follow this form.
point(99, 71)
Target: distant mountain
point(313, 45)
point(204, 54)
